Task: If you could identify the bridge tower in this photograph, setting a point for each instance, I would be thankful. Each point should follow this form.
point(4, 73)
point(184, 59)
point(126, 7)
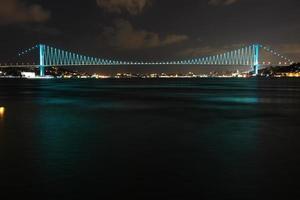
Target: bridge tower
point(256, 58)
point(42, 60)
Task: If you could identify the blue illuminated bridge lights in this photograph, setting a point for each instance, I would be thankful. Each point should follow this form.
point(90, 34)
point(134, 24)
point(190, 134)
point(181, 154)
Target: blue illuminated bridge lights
point(245, 56)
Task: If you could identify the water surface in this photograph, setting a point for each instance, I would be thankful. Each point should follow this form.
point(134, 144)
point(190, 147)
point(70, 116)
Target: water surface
point(144, 139)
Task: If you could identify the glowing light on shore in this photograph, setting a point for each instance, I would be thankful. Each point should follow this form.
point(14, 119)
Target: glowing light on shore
point(2, 112)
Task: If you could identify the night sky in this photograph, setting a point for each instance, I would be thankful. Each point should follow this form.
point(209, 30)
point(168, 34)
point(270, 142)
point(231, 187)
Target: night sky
point(149, 29)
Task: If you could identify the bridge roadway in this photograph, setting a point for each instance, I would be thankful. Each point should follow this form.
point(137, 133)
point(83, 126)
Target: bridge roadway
point(133, 64)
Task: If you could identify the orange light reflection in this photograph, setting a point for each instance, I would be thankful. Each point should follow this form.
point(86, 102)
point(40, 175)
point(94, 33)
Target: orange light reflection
point(2, 112)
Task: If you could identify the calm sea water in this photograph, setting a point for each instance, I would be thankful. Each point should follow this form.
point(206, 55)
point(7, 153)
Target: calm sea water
point(145, 139)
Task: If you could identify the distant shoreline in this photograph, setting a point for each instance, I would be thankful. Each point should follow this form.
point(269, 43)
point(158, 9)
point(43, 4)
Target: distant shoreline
point(139, 78)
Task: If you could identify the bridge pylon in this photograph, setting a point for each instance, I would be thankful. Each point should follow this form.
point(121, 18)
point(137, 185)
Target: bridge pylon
point(42, 60)
point(256, 58)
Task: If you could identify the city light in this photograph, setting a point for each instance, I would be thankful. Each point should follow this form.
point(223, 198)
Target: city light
point(2, 112)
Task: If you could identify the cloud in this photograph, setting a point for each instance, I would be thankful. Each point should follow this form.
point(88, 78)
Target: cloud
point(124, 36)
point(208, 50)
point(133, 7)
point(222, 2)
point(173, 38)
point(15, 11)
point(293, 49)
point(200, 51)
point(41, 29)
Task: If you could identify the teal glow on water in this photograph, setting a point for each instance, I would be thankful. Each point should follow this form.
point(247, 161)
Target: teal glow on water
point(176, 139)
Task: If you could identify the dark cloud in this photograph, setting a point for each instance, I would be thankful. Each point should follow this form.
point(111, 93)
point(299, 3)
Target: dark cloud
point(41, 29)
point(209, 24)
point(197, 51)
point(208, 50)
point(123, 35)
point(16, 11)
point(222, 2)
point(133, 7)
point(290, 49)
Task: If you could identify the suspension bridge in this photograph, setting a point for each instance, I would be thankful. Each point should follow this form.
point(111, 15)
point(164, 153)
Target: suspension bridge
point(246, 56)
